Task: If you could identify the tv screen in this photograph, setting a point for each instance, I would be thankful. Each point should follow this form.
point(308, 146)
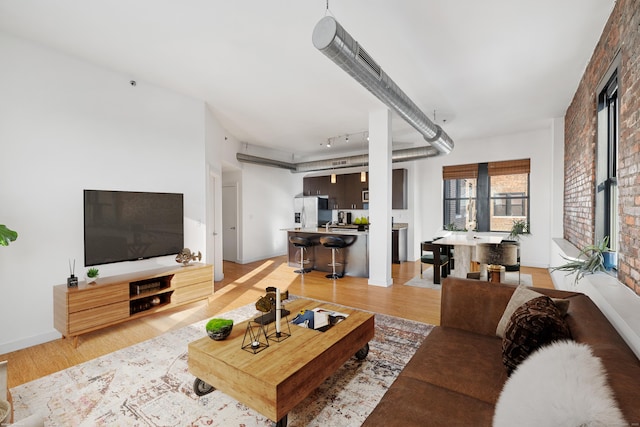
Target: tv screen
point(127, 225)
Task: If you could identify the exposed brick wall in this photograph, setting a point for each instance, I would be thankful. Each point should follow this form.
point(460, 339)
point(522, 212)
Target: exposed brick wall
point(622, 33)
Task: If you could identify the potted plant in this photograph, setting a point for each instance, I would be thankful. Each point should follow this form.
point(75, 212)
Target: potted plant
point(92, 275)
point(518, 228)
point(590, 260)
point(219, 329)
point(7, 235)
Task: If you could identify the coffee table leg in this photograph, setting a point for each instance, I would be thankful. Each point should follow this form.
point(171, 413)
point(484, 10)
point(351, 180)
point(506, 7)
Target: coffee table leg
point(282, 422)
point(362, 353)
point(201, 388)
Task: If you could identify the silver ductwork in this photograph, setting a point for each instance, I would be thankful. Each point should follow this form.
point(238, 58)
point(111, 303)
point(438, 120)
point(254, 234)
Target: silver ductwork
point(397, 156)
point(262, 161)
point(331, 39)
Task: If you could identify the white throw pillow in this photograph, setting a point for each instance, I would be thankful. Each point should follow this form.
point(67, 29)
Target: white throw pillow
point(562, 384)
point(521, 295)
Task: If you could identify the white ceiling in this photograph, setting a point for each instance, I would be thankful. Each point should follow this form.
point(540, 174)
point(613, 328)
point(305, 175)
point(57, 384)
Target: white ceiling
point(487, 67)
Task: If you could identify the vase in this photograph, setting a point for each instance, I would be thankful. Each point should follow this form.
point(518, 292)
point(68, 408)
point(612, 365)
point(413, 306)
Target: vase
point(610, 260)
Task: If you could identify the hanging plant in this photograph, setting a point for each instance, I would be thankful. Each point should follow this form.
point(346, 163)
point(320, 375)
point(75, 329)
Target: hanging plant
point(6, 235)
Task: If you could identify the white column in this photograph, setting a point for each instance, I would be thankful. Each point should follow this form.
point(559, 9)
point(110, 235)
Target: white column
point(380, 152)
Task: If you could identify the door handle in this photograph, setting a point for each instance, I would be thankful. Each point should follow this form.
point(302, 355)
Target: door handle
point(233, 228)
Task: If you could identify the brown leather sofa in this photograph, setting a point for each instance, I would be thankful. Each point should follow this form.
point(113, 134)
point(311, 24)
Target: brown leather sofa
point(456, 376)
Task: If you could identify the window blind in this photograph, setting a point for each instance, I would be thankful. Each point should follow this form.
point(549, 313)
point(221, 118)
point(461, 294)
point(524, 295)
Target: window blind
point(509, 167)
point(460, 171)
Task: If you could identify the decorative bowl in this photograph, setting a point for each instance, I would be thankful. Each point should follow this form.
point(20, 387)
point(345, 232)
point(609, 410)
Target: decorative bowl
point(220, 334)
point(219, 329)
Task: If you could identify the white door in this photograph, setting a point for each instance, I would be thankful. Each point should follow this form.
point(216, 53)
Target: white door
point(230, 223)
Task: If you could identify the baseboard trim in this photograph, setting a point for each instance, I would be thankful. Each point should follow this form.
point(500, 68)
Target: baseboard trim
point(23, 343)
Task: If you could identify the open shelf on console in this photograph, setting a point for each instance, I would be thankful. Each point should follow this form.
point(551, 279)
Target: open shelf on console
point(149, 286)
point(149, 302)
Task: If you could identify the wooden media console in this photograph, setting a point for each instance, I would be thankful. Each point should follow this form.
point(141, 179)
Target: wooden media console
point(117, 299)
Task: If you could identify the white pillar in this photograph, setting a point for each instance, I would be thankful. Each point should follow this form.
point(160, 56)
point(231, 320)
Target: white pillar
point(380, 152)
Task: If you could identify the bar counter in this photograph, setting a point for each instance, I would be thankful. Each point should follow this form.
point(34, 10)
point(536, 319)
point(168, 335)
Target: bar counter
point(355, 255)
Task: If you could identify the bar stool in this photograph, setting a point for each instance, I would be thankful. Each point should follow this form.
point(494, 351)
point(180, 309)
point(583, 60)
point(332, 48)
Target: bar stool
point(334, 243)
point(302, 243)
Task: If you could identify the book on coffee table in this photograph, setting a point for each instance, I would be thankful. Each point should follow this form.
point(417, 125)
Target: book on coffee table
point(319, 319)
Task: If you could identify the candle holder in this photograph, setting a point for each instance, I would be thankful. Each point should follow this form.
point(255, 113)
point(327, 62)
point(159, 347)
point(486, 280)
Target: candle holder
point(279, 335)
point(255, 337)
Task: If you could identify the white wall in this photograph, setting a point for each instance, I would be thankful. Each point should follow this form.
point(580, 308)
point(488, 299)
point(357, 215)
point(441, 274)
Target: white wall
point(67, 125)
point(220, 148)
point(267, 209)
point(536, 145)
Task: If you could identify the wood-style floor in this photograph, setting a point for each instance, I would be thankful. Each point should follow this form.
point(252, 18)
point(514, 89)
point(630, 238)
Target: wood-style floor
point(242, 284)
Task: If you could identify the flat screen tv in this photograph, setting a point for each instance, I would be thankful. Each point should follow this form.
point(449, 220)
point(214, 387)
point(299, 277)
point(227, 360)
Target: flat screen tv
point(127, 225)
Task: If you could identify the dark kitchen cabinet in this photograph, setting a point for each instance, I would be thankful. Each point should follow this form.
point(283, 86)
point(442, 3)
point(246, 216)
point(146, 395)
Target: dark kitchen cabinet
point(399, 245)
point(399, 189)
point(346, 193)
point(350, 191)
point(312, 186)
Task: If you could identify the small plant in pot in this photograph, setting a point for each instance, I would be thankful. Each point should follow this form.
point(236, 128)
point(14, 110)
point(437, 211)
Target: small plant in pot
point(7, 235)
point(518, 228)
point(92, 275)
point(590, 260)
point(219, 329)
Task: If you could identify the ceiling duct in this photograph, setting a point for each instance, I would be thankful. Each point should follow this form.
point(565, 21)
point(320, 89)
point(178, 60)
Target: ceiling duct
point(331, 39)
point(405, 155)
point(247, 158)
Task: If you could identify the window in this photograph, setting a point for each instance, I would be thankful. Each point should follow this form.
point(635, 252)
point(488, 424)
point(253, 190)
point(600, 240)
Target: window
point(607, 163)
point(460, 197)
point(508, 204)
point(486, 196)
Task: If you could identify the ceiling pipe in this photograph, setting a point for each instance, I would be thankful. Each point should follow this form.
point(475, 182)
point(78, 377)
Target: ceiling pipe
point(262, 161)
point(397, 156)
point(331, 39)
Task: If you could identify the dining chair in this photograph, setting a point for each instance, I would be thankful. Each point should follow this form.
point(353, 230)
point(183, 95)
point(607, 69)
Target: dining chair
point(436, 255)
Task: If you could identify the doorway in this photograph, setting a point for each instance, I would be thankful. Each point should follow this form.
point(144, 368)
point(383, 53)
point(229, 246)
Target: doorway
point(230, 223)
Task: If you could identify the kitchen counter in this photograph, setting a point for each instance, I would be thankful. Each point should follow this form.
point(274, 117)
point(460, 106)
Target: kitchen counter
point(334, 229)
point(355, 256)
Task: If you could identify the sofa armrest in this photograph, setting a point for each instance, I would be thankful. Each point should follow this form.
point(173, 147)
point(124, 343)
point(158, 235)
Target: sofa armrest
point(473, 305)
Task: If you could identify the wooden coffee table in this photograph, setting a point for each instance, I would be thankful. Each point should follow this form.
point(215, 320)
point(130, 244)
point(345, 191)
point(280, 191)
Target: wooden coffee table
point(276, 379)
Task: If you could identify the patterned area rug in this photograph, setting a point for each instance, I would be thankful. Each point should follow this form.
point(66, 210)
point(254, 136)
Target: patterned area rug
point(148, 384)
point(426, 281)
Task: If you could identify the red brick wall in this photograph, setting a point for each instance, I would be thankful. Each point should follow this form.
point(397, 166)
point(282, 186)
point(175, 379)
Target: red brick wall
point(622, 33)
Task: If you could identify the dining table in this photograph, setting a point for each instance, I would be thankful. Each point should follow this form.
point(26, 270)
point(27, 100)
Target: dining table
point(464, 245)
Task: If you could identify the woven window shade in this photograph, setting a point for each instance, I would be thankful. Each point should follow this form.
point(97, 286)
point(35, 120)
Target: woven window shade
point(460, 171)
point(509, 167)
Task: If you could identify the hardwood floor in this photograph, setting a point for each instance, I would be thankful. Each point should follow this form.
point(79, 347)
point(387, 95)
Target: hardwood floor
point(242, 284)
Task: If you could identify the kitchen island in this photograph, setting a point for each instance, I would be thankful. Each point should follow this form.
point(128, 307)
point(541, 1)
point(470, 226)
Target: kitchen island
point(355, 255)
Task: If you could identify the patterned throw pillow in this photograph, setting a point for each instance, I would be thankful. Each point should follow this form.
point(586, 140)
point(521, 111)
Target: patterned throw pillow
point(521, 295)
point(535, 323)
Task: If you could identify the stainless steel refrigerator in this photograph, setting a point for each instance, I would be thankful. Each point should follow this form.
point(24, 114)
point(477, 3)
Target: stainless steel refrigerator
point(311, 211)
